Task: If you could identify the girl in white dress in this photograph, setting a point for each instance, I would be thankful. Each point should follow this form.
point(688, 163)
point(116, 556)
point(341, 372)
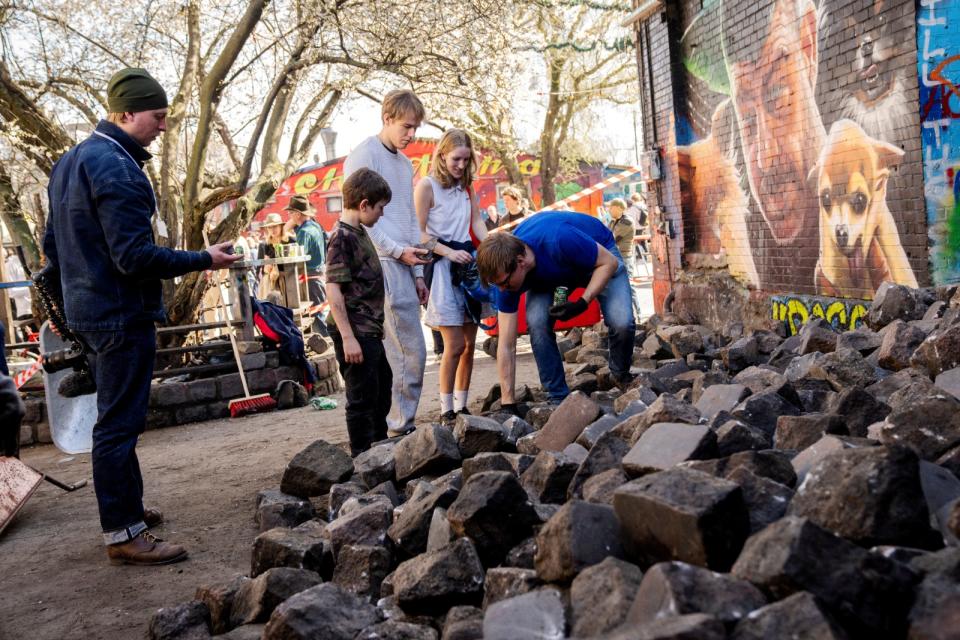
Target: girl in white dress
point(447, 210)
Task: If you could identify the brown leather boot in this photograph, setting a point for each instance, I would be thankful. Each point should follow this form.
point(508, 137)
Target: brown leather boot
point(145, 549)
point(152, 517)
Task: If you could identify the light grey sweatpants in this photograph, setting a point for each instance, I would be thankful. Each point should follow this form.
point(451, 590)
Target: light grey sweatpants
point(403, 343)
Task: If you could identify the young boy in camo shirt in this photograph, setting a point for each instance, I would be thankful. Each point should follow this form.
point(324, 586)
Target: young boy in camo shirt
point(355, 291)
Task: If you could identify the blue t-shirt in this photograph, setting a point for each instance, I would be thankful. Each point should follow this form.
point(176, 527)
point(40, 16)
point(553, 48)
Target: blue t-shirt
point(564, 244)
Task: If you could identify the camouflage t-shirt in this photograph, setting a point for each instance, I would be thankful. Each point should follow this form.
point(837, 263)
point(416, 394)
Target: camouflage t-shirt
point(352, 263)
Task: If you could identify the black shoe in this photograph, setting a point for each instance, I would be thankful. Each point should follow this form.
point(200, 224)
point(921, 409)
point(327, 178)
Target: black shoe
point(623, 380)
point(448, 418)
point(465, 412)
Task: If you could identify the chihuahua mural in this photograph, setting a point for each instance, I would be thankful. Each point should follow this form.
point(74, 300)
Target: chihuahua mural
point(859, 243)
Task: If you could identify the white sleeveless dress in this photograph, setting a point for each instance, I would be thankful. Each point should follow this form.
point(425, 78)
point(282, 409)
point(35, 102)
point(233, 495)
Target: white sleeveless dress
point(448, 219)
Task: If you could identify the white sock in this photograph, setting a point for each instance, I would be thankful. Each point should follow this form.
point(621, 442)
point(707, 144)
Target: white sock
point(459, 399)
point(446, 402)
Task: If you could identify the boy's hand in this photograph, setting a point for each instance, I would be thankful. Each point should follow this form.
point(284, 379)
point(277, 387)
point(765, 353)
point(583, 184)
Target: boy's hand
point(413, 256)
point(351, 351)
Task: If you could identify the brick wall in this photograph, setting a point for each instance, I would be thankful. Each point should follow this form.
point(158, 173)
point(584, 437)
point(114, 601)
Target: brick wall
point(791, 142)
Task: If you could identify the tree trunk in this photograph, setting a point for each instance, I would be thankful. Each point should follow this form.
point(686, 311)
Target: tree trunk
point(549, 152)
point(168, 203)
point(39, 138)
point(12, 215)
point(211, 91)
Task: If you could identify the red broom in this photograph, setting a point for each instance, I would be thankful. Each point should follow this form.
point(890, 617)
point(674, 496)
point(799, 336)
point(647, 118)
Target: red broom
point(260, 403)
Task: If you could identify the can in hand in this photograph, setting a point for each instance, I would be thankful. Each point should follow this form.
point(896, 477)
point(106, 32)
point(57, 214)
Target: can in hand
point(560, 295)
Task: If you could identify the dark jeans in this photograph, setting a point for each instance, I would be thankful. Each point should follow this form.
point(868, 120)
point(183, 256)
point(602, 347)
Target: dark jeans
point(368, 392)
point(122, 364)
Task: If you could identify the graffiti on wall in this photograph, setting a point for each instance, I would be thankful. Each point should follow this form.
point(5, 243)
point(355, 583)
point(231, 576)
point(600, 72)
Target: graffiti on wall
point(939, 74)
point(798, 113)
point(794, 311)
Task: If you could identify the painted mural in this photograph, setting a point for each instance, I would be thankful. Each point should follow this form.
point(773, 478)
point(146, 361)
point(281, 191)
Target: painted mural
point(321, 183)
point(795, 143)
point(794, 311)
point(939, 73)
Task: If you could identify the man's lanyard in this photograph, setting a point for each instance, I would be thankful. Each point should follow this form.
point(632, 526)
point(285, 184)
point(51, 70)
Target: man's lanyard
point(163, 230)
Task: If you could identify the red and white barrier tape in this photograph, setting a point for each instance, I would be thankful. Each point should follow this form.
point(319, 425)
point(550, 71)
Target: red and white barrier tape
point(583, 193)
point(21, 378)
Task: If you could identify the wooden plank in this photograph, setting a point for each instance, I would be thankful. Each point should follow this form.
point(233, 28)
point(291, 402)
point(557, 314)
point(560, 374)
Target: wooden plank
point(17, 484)
point(225, 367)
point(186, 328)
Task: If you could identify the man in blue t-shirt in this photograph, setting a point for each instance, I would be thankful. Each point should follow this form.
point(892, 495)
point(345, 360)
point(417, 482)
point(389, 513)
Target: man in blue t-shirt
point(550, 250)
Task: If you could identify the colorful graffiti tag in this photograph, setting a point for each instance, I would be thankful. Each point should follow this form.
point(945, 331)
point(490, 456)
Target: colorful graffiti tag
point(795, 174)
point(939, 72)
point(794, 311)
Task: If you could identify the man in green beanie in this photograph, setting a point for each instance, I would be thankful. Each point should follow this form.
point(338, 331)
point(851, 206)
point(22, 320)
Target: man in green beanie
point(100, 238)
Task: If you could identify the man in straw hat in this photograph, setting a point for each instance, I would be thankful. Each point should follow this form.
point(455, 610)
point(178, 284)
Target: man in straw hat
point(99, 237)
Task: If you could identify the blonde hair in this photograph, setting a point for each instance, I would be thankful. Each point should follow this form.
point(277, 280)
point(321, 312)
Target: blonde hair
point(450, 140)
point(402, 102)
point(115, 118)
point(618, 202)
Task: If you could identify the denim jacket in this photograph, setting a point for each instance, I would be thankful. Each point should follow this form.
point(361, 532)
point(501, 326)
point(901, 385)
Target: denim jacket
point(99, 235)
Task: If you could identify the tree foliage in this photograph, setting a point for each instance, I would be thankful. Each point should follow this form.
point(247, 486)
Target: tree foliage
point(253, 82)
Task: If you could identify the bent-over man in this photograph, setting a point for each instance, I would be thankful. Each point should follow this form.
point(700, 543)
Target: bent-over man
point(546, 251)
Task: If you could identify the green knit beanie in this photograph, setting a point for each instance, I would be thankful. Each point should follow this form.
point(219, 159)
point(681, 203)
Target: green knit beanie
point(131, 90)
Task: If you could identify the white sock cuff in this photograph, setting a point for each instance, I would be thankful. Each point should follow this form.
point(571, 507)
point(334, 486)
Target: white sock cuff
point(459, 399)
point(446, 402)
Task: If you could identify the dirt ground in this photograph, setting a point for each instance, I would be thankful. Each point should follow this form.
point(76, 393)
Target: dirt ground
point(56, 583)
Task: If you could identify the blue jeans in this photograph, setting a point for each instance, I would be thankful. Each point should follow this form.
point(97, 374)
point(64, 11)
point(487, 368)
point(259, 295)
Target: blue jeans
point(616, 302)
point(122, 364)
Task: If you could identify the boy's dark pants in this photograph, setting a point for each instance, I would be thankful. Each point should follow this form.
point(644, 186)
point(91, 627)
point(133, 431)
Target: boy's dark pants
point(368, 392)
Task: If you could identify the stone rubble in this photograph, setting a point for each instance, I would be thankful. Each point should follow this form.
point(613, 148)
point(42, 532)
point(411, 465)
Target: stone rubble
point(745, 485)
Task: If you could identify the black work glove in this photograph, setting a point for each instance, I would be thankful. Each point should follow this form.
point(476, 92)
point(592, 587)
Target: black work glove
point(511, 409)
point(568, 309)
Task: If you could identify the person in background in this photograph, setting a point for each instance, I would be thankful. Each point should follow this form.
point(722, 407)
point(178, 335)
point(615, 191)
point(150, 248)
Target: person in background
point(356, 288)
point(637, 212)
point(311, 237)
point(20, 297)
point(515, 203)
point(623, 230)
point(395, 235)
point(493, 217)
point(274, 237)
point(447, 210)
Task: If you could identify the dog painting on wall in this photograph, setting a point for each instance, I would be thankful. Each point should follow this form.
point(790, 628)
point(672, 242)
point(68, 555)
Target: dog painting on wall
point(859, 242)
